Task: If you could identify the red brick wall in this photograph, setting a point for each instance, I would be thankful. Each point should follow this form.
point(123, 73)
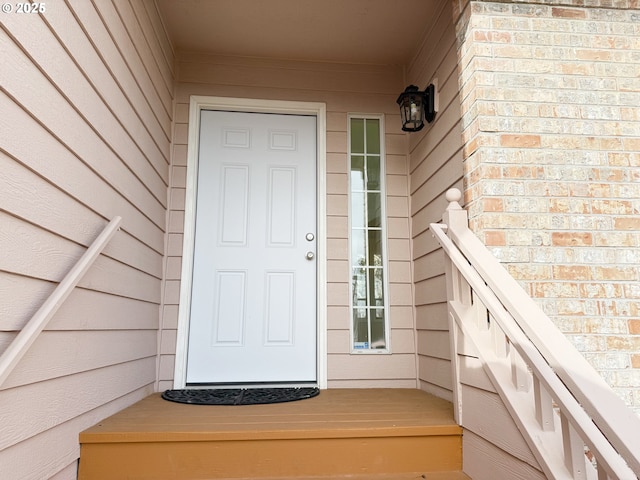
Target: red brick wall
point(551, 123)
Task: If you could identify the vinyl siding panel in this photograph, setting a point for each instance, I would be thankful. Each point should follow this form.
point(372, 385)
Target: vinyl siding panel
point(435, 165)
point(58, 448)
point(130, 76)
point(488, 418)
point(87, 353)
point(484, 461)
point(85, 309)
point(87, 106)
point(137, 56)
point(340, 86)
point(493, 436)
point(69, 473)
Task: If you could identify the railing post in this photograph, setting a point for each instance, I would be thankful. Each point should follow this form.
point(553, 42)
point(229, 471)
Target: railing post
point(455, 217)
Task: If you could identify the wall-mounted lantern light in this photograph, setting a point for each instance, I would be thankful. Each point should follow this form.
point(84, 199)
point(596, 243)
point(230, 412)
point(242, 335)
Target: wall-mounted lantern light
point(416, 107)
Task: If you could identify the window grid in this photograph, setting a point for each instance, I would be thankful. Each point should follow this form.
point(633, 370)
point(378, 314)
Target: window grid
point(369, 305)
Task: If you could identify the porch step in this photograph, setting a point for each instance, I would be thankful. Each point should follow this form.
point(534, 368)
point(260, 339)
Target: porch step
point(392, 476)
point(373, 434)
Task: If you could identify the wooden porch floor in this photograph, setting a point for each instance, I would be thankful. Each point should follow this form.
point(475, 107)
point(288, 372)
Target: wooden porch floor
point(350, 432)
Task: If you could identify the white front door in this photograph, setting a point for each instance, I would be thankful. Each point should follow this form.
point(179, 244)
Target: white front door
point(253, 296)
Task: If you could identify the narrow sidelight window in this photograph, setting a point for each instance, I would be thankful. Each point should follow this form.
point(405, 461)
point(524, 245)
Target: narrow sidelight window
point(368, 259)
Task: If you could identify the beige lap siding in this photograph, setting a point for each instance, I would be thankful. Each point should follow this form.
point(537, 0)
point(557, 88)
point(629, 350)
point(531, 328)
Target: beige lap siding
point(435, 155)
point(87, 106)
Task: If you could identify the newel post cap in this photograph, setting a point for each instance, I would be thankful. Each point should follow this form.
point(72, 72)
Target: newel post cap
point(453, 196)
point(455, 216)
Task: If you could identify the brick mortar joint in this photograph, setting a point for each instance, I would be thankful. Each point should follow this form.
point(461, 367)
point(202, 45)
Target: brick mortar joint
point(628, 5)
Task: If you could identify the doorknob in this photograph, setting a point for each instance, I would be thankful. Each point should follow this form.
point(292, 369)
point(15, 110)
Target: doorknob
point(309, 256)
point(309, 236)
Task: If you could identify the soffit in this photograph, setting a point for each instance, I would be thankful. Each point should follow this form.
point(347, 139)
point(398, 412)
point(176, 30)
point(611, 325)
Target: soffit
point(384, 32)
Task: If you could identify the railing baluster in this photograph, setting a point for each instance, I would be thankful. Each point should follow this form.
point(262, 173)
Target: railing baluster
point(544, 406)
point(500, 344)
point(520, 375)
point(602, 473)
point(480, 313)
point(574, 457)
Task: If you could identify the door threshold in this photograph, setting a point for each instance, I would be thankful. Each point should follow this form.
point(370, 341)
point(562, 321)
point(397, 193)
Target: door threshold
point(201, 386)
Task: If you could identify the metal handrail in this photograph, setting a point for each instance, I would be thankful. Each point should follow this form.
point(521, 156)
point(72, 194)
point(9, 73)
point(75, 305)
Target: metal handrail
point(21, 343)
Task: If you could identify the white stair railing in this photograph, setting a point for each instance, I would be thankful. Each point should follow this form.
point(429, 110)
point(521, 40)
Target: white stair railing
point(559, 402)
point(21, 343)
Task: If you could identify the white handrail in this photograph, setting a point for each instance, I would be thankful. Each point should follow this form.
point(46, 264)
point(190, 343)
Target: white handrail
point(559, 371)
point(608, 410)
point(579, 419)
point(21, 343)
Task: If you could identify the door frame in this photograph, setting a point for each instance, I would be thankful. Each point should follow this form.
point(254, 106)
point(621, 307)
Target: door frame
point(198, 103)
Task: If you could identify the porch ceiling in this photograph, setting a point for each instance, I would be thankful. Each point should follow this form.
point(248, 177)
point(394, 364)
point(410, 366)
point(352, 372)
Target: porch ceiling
point(385, 32)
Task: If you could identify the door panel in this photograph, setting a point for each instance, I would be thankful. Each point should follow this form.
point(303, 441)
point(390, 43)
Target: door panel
point(279, 308)
point(234, 215)
point(229, 302)
point(281, 207)
point(253, 298)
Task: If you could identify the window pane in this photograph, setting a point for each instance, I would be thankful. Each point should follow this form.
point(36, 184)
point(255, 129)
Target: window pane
point(373, 136)
point(375, 248)
point(358, 218)
point(376, 294)
point(360, 310)
point(357, 173)
point(373, 173)
point(359, 287)
point(378, 339)
point(358, 248)
point(360, 329)
point(374, 210)
point(357, 135)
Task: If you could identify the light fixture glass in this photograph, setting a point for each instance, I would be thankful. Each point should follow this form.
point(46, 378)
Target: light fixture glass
point(416, 107)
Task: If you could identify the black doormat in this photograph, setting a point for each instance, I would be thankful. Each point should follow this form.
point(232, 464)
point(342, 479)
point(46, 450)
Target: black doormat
point(239, 396)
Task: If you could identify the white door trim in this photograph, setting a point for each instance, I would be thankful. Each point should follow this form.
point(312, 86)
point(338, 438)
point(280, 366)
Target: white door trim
point(196, 104)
